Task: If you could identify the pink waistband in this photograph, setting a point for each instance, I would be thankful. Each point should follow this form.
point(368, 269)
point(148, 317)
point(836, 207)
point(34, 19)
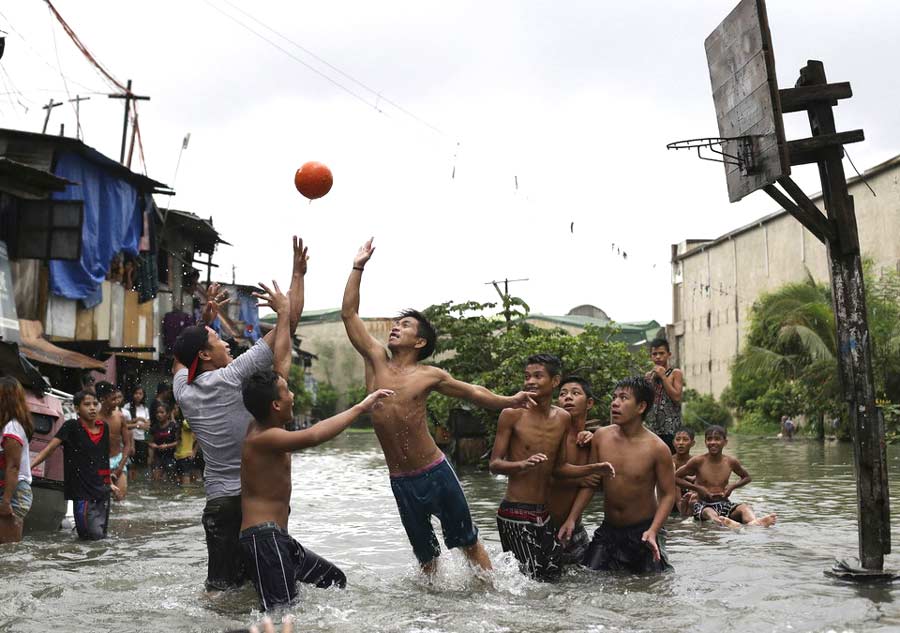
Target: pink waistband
point(419, 471)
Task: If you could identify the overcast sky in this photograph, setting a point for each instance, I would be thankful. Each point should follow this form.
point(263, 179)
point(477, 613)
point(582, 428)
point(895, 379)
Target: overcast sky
point(574, 101)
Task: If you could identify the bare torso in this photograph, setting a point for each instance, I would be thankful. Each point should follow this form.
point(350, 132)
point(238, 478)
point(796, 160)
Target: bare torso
point(563, 491)
point(630, 496)
point(535, 432)
point(400, 423)
point(265, 482)
point(713, 473)
point(115, 422)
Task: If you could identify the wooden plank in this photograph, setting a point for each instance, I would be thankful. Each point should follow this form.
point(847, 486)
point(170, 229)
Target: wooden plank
point(813, 220)
point(116, 314)
point(802, 97)
point(824, 141)
point(84, 324)
point(60, 317)
point(101, 314)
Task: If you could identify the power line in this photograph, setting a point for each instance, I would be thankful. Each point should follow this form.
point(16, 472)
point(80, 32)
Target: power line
point(376, 93)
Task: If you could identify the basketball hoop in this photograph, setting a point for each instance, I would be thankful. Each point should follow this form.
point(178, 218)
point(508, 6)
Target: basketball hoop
point(742, 158)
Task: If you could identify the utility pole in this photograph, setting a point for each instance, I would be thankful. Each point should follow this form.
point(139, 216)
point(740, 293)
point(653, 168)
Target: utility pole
point(49, 107)
point(129, 97)
point(77, 101)
point(504, 296)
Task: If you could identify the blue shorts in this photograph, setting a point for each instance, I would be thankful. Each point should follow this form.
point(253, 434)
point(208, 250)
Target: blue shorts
point(434, 490)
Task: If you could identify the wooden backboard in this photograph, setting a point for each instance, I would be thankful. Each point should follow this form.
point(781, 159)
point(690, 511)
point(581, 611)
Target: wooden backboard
point(745, 93)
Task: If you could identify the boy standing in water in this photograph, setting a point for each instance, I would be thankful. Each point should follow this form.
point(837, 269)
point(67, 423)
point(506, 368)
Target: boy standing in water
point(530, 448)
point(712, 472)
point(422, 481)
point(576, 398)
point(684, 442)
point(637, 501)
point(275, 561)
point(121, 444)
point(86, 466)
point(664, 416)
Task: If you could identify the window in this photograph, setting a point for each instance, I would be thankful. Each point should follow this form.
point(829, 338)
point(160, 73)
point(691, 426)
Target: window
point(43, 424)
point(45, 229)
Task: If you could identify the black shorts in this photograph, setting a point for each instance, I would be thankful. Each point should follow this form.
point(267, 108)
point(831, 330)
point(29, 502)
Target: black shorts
point(184, 466)
point(140, 453)
point(526, 531)
point(276, 563)
point(222, 524)
point(620, 548)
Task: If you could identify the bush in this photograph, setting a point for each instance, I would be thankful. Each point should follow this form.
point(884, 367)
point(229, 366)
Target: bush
point(701, 411)
point(755, 423)
point(326, 401)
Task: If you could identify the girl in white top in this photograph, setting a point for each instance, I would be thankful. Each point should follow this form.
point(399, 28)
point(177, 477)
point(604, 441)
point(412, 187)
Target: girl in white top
point(15, 460)
point(137, 417)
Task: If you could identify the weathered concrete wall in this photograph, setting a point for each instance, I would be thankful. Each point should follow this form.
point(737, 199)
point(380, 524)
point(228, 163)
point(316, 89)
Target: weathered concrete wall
point(716, 284)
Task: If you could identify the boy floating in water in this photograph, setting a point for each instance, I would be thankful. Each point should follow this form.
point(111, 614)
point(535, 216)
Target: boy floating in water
point(684, 442)
point(712, 472)
point(577, 398)
point(86, 466)
point(275, 561)
point(422, 481)
point(637, 501)
point(530, 448)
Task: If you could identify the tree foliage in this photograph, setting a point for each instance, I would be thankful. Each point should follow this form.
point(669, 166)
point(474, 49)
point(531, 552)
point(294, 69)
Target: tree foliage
point(789, 365)
point(475, 346)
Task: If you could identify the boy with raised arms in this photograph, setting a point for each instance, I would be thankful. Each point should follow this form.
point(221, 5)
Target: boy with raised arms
point(576, 398)
point(530, 448)
point(275, 561)
point(712, 472)
point(423, 482)
point(637, 501)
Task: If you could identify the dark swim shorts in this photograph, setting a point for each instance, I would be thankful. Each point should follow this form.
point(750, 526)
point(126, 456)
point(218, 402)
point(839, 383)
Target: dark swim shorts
point(276, 563)
point(620, 548)
point(526, 531)
point(723, 508)
point(91, 517)
point(433, 490)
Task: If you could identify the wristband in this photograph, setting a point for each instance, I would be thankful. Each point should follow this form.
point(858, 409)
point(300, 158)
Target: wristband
point(359, 268)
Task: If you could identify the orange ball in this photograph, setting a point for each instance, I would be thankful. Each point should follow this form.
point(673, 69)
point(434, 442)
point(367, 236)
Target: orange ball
point(313, 180)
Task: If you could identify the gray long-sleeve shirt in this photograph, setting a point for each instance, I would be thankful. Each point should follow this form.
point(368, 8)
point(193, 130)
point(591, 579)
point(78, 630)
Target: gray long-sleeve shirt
point(215, 410)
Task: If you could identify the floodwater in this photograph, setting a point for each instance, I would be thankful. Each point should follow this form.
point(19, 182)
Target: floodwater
point(148, 576)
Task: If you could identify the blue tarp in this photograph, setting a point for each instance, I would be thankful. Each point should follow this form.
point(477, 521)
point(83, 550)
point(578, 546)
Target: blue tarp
point(113, 222)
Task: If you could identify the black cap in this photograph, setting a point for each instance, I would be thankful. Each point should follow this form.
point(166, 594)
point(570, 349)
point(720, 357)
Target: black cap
point(187, 348)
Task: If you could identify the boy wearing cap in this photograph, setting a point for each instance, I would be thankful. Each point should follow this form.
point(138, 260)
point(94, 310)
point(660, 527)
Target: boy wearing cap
point(207, 387)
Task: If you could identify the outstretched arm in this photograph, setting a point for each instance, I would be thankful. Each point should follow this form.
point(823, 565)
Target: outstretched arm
point(365, 343)
point(281, 346)
point(47, 452)
point(286, 441)
point(499, 464)
point(476, 394)
point(298, 275)
point(564, 470)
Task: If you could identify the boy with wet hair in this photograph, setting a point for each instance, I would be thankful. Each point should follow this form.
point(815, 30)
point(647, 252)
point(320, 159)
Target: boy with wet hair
point(712, 472)
point(684, 442)
point(423, 482)
point(276, 561)
point(664, 416)
point(576, 397)
point(85, 466)
point(121, 444)
point(637, 501)
point(530, 449)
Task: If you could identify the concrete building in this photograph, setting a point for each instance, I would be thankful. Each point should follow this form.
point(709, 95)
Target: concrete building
point(715, 282)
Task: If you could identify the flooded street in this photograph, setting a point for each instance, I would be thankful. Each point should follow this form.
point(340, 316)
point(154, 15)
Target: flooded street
point(148, 576)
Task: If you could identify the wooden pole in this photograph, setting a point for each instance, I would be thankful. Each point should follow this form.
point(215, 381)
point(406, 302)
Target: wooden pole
point(129, 97)
point(854, 344)
point(49, 108)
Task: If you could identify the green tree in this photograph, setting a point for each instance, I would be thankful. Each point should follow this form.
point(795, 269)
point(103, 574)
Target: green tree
point(475, 346)
point(303, 399)
point(325, 404)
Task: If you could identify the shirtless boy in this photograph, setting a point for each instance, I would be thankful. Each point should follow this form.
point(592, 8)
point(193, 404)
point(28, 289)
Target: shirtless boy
point(530, 448)
point(120, 438)
point(684, 442)
point(275, 561)
point(712, 472)
point(422, 481)
point(577, 398)
point(637, 501)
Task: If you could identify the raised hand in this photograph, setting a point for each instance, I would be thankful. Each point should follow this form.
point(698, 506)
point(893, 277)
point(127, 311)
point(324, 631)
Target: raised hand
point(534, 460)
point(373, 400)
point(364, 254)
point(273, 298)
point(523, 400)
point(300, 256)
point(215, 299)
point(603, 468)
